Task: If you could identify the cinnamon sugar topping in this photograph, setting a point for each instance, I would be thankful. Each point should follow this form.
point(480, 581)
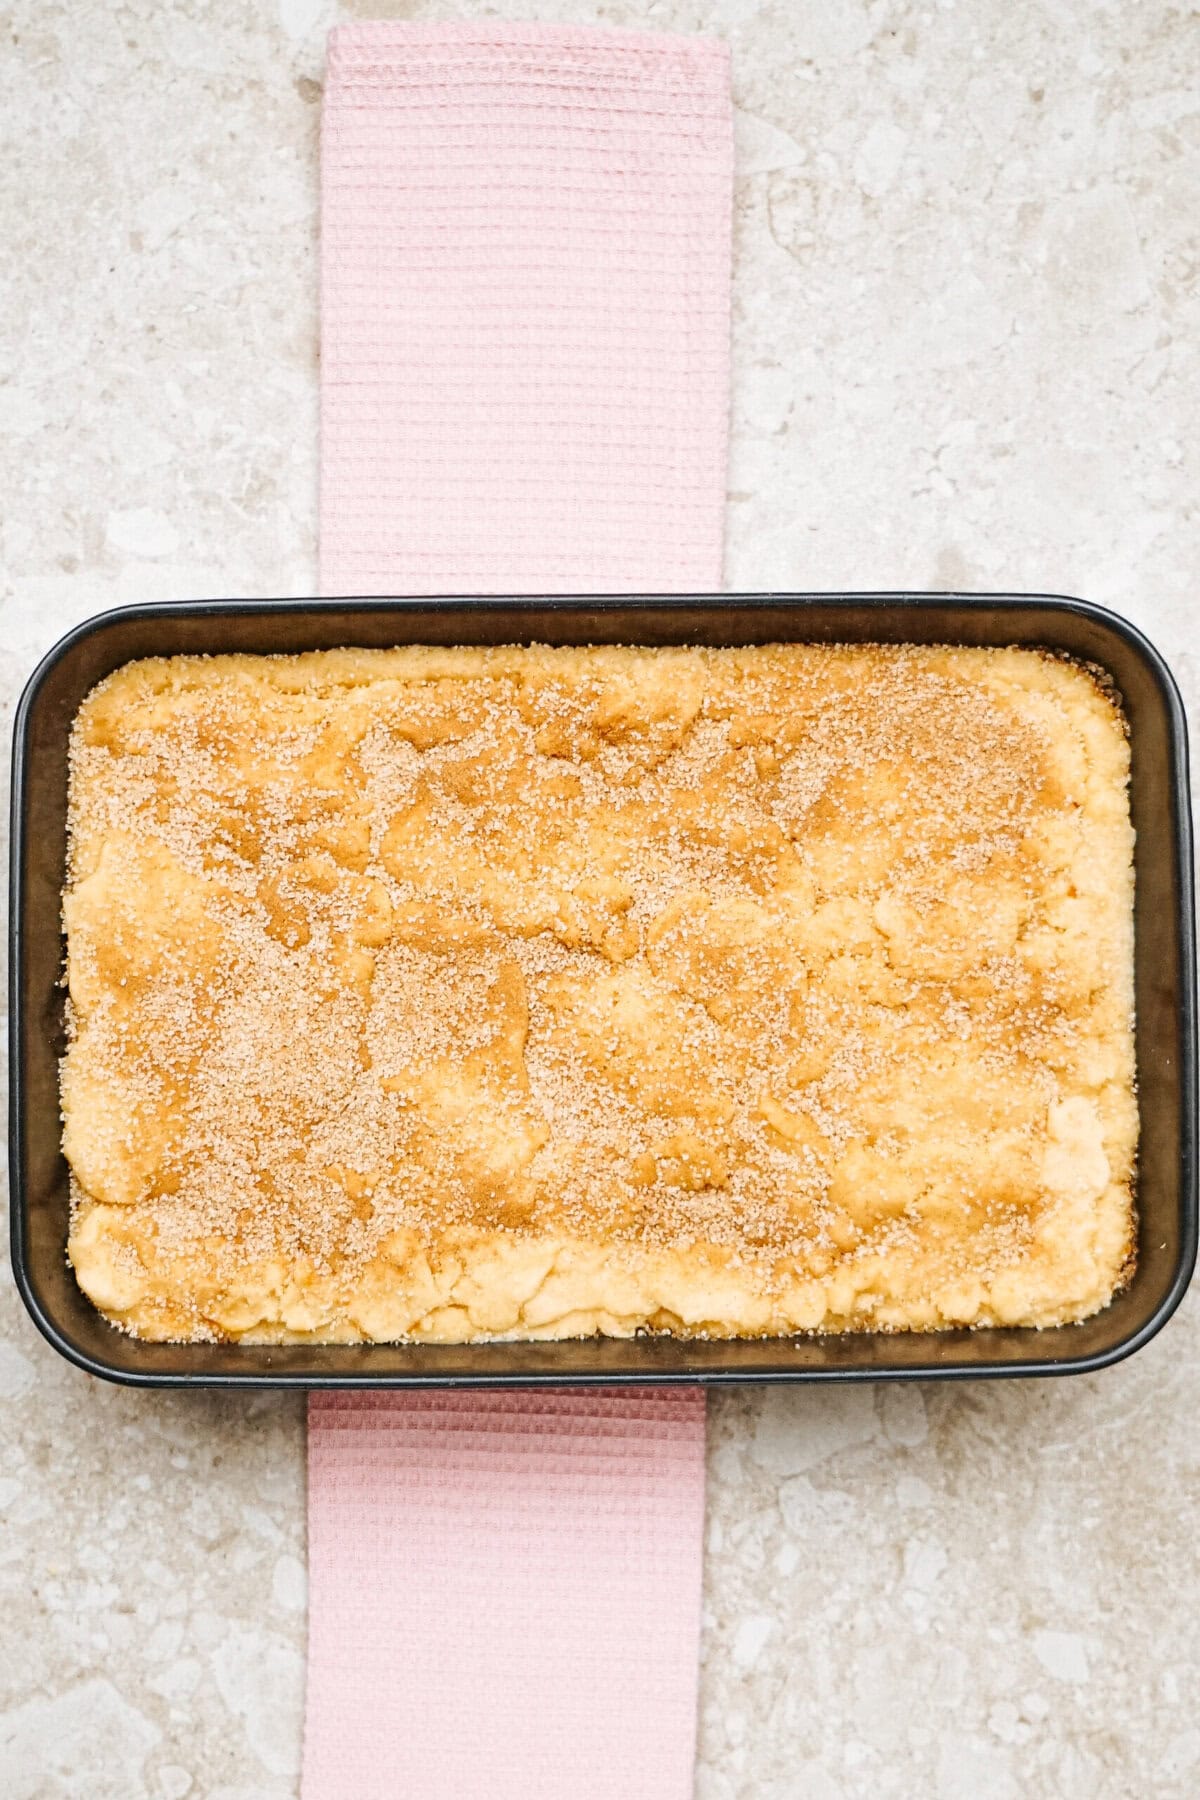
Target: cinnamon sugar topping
point(455, 993)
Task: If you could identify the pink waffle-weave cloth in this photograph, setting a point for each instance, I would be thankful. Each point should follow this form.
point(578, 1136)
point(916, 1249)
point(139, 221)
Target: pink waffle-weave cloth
point(525, 298)
point(525, 273)
point(504, 1594)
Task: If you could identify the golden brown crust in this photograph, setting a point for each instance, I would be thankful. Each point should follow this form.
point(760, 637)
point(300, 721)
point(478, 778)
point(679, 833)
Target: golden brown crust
point(453, 993)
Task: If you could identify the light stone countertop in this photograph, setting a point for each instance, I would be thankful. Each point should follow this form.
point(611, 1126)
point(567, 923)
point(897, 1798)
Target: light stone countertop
point(967, 343)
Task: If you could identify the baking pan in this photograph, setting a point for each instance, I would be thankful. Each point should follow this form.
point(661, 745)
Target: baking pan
point(1165, 981)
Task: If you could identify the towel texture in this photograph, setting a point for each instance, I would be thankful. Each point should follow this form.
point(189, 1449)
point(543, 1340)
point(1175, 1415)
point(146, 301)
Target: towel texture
point(505, 1594)
point(525, 322)
point(525, 310)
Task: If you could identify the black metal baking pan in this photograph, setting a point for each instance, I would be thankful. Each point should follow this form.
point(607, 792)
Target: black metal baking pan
point(1165, 981)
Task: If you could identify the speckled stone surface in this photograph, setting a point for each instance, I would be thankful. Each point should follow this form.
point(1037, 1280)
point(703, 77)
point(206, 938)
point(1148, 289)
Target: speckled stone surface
point(967, 344)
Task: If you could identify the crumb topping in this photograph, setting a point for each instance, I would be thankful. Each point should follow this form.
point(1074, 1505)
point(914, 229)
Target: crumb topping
point(792, 967)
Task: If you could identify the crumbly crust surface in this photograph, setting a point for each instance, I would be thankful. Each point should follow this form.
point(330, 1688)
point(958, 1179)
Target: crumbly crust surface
point(530, 992)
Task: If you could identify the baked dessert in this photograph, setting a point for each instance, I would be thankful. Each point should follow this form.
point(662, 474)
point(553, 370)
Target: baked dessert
point(444, 994)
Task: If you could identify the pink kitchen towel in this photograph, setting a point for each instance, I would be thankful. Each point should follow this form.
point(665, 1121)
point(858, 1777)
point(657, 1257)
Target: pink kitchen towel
point(525, 274)
point(525, 268)
point(505, 1594)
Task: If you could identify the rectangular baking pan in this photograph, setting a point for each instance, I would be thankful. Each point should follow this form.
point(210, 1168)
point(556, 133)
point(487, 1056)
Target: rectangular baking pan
point(1165, 980)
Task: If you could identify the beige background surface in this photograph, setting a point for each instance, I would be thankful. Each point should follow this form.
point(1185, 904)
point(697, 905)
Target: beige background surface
point(966, 355)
